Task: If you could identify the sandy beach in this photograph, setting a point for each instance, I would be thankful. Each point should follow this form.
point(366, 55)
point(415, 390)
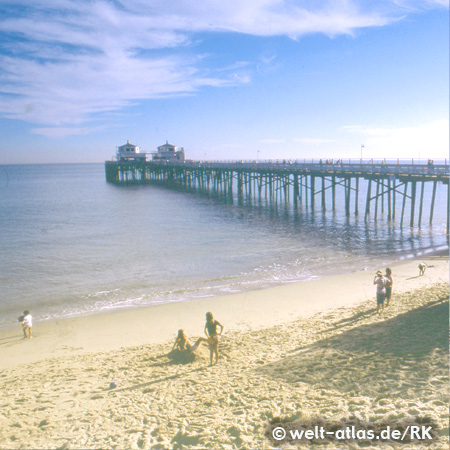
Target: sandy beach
point(294, 354)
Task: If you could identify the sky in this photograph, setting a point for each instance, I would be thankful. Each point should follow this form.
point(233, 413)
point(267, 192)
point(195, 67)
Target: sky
point(226, 80)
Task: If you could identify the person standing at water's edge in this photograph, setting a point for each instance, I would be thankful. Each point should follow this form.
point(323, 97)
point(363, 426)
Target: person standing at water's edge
point(213, 336)
point(27, 323)
point(389, 284)
point(380, 282)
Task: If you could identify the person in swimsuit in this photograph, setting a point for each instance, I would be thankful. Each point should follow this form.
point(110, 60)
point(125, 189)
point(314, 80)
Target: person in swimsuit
point(182, 342)
point(388, 286)
point(213, 336)
point(380, 282)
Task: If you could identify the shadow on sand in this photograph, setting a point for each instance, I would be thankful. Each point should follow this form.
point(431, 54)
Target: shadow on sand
point(401, 356)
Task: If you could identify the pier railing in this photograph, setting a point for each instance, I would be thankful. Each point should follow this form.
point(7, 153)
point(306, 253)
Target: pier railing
point(438, 167)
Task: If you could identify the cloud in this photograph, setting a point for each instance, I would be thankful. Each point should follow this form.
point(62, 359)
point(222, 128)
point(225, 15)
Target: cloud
point(57, 93)
point(429, 140)
point(272, 141)
point(314, 141)
point(62, 132)
point(64, 63)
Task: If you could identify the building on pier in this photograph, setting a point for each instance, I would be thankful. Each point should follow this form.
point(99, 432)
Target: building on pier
point(130, 152)
point(169, 153)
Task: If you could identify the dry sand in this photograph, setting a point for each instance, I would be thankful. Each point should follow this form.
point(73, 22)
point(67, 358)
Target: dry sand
point(297, 353)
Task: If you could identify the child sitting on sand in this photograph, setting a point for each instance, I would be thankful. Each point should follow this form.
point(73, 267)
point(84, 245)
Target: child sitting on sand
point(213, 336)
point(182, 342)
point(388, 286)
point(27, 323)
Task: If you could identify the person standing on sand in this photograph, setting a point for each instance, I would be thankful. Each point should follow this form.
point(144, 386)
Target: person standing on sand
point(27, 323)
point(380, 282)
point(388, 286)
point(213, 336)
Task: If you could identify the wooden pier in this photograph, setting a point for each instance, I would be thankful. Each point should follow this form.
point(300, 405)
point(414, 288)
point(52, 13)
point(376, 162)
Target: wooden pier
point(387, 183)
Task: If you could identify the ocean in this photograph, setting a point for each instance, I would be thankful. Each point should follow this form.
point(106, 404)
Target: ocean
point(72, 244)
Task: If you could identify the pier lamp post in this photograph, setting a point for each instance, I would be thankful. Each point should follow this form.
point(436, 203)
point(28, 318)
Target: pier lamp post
point(362, 146)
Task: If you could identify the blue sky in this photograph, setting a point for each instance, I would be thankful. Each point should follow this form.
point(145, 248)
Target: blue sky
point(260, 79)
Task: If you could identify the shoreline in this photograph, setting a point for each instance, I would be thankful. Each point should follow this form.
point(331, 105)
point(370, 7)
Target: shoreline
point(41, 314)
point(261, 285)
point(246, 311)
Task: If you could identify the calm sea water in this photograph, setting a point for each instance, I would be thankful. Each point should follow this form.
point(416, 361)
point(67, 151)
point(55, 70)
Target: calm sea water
point(72, 244)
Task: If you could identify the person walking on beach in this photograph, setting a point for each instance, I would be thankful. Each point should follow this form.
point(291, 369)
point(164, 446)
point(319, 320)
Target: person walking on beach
point(380, 282)
point(182, 342)
point(27, 323)
point(388, 286)
point(213, 336)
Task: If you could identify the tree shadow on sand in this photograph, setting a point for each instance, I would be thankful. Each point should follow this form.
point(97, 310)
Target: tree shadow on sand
point(402, 356)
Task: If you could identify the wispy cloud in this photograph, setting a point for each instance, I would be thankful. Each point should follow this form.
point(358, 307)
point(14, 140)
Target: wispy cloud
point(62, 132)
point(310, 142)
point(64, 63)
point(425, 140)
point(314, 141)
point(272, 141)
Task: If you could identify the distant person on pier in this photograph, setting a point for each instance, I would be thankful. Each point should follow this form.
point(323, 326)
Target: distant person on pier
point(213, 336)
point(380, 282)
point(389, 284)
